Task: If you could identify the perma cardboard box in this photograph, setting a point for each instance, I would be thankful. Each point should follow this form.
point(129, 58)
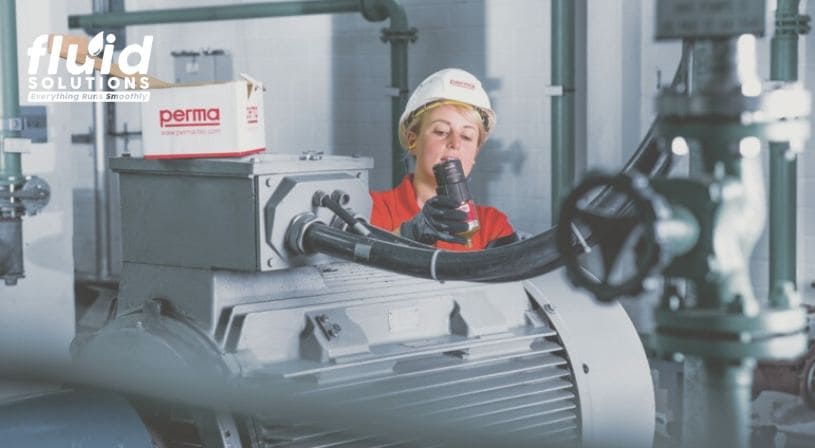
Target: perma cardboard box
point(209, 120)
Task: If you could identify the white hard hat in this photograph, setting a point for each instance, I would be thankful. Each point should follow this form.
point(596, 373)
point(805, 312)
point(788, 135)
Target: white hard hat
point(451, 84)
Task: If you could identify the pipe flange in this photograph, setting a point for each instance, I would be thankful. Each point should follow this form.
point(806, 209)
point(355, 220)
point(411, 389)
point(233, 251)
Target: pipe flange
point(792, 24)
point(29, 198)
point(705, 345)
point(795, 131)
point(768, 322)
point(10, 207)
point(769, 335)
point(778, 101)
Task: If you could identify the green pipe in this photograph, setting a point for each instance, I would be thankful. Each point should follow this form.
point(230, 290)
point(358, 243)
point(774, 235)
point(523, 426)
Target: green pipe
point(717, 406)
point(399, 34)
point(563, 147)
point(210, 13)
point(398, 102)
point(783, 170)
point(11, 170)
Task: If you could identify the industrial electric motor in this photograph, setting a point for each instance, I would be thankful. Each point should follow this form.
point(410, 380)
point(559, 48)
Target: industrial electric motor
point(208, 280)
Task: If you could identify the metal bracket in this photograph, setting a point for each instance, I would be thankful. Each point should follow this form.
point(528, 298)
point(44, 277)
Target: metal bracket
point(332, 335)
point(389, 35)
point(330, 329)
point(557, 90)
point(553, 91)
point(394, 91)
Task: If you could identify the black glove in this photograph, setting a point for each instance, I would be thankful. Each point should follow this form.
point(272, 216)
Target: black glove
point(438, 220)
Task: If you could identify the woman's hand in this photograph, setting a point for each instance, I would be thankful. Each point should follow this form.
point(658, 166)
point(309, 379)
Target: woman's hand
point(439, 219)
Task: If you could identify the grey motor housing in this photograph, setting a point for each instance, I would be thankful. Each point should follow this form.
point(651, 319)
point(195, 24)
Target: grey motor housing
point(207, 281)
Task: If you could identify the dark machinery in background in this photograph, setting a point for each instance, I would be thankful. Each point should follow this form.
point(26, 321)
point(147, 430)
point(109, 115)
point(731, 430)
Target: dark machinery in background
point(697, 232)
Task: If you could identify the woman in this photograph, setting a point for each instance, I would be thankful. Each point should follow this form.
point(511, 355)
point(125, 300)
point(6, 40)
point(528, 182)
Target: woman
point(448, 116)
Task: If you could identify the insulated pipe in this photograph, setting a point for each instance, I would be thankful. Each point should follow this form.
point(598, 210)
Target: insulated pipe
point(398, 35)
point(11, 171)
point(783, 166)
point(563, 139)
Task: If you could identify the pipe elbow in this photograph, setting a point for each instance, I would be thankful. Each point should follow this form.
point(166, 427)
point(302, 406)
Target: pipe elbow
point(379, 10)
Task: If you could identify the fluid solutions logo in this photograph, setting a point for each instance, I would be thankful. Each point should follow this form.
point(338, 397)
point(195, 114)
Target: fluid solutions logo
point(128, 75)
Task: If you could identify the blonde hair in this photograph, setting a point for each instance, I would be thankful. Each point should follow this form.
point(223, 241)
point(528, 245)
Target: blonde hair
point(472, 115)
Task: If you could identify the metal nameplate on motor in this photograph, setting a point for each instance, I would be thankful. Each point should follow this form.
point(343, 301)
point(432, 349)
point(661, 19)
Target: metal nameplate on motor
point(677, 19)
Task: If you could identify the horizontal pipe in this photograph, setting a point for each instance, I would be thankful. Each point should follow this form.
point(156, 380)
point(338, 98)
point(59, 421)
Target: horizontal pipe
point(372, 10)
point(213, 13)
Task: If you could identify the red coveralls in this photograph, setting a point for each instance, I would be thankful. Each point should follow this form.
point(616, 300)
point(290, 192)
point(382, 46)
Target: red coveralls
point(393, 207)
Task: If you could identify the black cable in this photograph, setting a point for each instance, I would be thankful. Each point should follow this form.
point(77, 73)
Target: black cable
point(525, 259)
point(329, 202)
point(388, 237)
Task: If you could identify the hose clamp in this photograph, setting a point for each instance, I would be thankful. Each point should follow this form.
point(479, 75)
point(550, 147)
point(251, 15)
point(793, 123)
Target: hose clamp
point(433, 266)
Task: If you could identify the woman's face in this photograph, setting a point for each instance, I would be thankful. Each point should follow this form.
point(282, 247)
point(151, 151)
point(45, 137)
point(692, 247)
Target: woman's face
point(446, 132)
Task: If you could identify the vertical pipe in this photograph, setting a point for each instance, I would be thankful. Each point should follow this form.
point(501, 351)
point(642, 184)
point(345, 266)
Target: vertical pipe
point(563, 160)
point(11, 170)
point(717, 388)
point(783, 167)
point(11, 249)
point(100, 188)
point(10, 164)
point(399, 71)
point(717, 408)
point(399, 35)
